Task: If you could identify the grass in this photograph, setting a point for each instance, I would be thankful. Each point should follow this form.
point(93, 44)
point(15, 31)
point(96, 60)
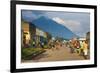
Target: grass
point(29, 53)
point(45, 46)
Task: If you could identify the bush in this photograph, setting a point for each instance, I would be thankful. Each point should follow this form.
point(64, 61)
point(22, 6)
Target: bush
point(45, 46)
point(29, 53)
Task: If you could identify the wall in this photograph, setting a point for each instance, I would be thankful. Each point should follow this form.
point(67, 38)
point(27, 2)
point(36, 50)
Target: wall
point(5, 36)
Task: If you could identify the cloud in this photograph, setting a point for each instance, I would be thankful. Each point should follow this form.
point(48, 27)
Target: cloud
point(58, 20)
point(28, 16)
point(71, 24)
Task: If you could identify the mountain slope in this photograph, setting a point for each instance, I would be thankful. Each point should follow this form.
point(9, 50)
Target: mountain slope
point(54, 28)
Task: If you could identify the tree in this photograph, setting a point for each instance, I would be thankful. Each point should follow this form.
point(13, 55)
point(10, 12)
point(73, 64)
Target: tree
point(49, 36)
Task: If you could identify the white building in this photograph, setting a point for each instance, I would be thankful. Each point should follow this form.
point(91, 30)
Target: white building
point(82, 39)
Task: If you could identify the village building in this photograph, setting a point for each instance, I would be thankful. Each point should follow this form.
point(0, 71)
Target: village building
point(88, 39)
point(30, 33)
point(27, 33)
point(82, 39)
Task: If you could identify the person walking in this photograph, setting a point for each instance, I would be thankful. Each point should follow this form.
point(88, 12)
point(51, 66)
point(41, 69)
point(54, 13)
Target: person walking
point(33, 43)
point(85, 49)
point(77, 46)
point(71, 44)
point(81, 48)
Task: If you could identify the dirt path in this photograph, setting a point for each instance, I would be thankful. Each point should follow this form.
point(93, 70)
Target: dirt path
point(61, 54)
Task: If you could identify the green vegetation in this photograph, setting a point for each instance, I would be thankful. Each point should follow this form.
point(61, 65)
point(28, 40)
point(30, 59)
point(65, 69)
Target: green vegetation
point(45, 46)
point(29, 53)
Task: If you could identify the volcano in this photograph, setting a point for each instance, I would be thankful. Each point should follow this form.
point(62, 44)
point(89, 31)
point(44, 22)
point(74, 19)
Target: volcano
point(55, 29)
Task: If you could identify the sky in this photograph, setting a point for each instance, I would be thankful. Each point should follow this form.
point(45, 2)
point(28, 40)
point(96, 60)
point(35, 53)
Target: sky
point(77, 22)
